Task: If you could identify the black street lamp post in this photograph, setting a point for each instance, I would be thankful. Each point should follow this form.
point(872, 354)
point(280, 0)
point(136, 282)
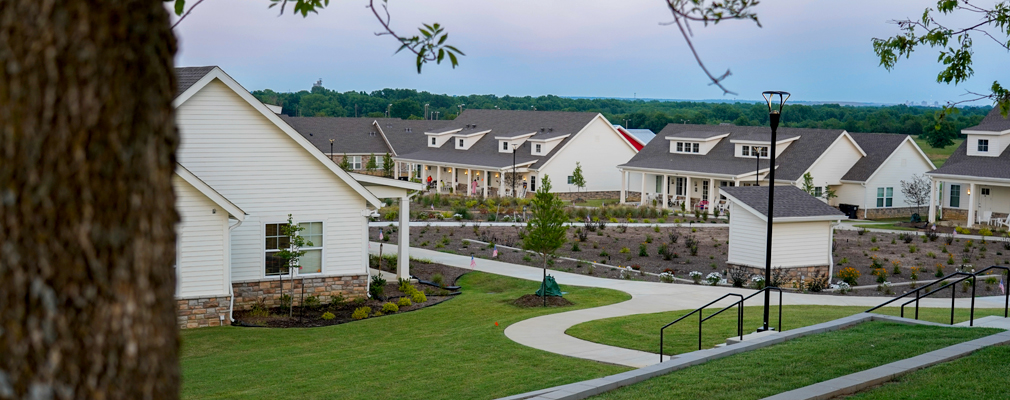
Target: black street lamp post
point(331, 150)
point(757, 168)
point(774, 116)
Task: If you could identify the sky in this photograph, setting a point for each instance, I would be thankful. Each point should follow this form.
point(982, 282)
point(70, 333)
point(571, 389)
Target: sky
point(819, 50)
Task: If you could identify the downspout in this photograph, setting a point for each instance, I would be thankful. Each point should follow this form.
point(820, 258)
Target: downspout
point(231, 286)
point(831, 255)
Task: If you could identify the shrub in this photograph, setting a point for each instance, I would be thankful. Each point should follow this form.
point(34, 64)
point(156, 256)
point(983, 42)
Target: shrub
point(377, 286)
point(624, 250)
point(642, 250)
point(648, 238)
point(985, 232)
point(873, 239)
point(285, 301)
point(844, 287)
point(912, 248)
point(674, 236)
point(390, 308)
point(418, 297)
point(666, 277)
point(695, 276)
point(757, 282)
point(361, 312)
point(311, 302)
point(963, 231)
point(849, 275)
point(575, 246)
point(655, 228)
point(328, 316)
point(404, 302)
point(665, 252)
point(861, 231)
point(713, 278)
point(438, 279)
point(906, 237)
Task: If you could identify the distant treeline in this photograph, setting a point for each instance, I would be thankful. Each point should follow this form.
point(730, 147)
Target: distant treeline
point(649, 114)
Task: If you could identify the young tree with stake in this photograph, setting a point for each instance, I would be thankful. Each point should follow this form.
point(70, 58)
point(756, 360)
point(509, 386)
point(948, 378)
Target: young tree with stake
point(546, 226)
point(577, 179)
point(292, 254)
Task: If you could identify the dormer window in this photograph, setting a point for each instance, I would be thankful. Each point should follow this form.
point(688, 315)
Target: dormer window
point(537, 149)
point(687, 147)
point(983, 145)
point(505, 146)
point(461, 143)
point(432, 141)
point(753, 151)
point(746, 151)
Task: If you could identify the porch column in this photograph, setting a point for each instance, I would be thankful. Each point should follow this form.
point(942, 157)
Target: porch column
point(485, 179)
point(501, 183)
point(641, 199)
point(711, 195)
point(687, 193)
point(932, 200)
point(438, 178)
point(469, 179)
point(403, 246)
point(454, 179)
point(971, 204)
point(666, 189)
point(624, 185)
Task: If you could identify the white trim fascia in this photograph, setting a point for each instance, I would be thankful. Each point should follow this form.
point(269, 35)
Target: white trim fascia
point(448, 132)
point(516, 137)
point(908, 138)
point(980, 180)
point(831, 146)
point(393, 183)
point(763, 142)
point(763, 217)
point(469, 135)
point(550, 139)
point(384, 139)
point(674, 172)
point(219, 74)
point(576, 136)
point(985, 133)
point(699, 140)
point(465, 166)
point(201, 186)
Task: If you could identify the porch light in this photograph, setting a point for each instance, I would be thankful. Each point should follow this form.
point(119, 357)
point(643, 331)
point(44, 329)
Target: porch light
point(969, 191)
point(495, 174)
point(774, 115)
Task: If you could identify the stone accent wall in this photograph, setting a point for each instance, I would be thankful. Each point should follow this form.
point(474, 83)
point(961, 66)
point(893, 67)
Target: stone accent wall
point(894, 212)
point(248, 294)
point(202, 312)
point(955, 214)
point(791, 274)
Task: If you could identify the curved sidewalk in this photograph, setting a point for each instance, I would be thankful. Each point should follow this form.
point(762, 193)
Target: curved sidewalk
point(548, 332)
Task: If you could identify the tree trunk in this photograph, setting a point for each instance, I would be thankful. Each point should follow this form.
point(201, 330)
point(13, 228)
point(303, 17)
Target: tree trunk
point(87, 211)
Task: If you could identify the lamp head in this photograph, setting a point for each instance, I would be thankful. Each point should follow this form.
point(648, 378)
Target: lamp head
point(770, 98)
point(331, 141)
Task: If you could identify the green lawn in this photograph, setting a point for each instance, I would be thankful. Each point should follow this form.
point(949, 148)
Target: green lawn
point(450, 351)
point(981, 375)
point(800, 362)
point(641, 332)
point(595, 202)
point(938, 156)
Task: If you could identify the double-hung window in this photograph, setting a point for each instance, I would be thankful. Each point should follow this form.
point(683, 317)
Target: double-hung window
point(538, 149)
point(504, 145)
point(885, 197)
point(680, 147)
point(955, 196)
point(461, 143)
point(818, 191)
point(681, 182)
point(275, 241)
point(354, 162)
point(695, 147)
point(983, 145)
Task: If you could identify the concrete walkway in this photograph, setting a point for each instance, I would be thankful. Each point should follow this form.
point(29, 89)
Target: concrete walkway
point(548, 332)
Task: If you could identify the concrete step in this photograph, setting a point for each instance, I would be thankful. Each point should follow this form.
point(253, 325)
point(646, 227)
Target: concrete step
point(752, 336)
point(991, 321)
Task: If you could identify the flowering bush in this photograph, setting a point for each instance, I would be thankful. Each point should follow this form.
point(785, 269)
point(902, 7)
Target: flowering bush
point(843, 287)
point(713, 278)
point(695, 276)
point(885, 287)
point(849, 275)
point(757, 282)
point(666, 277)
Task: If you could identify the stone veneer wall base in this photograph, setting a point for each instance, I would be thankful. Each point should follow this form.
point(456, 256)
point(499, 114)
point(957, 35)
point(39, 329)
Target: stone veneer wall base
point(248, 294)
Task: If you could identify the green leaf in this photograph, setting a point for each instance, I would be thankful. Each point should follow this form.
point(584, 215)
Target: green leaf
point(180, 6)
point(452, 58)
point(441, 55)
point(442, 40)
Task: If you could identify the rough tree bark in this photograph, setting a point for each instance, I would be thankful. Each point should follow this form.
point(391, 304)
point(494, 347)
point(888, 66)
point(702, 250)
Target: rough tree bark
point(87, 144)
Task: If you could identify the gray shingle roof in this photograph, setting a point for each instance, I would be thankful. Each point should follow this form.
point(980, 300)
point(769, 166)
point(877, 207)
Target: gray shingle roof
point(187, 76)
point(351, 135)
point(793, 161)
point(408, 135)
point(790, 201)
point(485, 152)
point(878, 146)
point(993, 122)
point(697, 134)
point(961, 164)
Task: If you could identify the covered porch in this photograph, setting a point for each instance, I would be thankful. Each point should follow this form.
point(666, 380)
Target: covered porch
point(970, 201)
point(473, 180)
point(385, 188)
point(680, 189)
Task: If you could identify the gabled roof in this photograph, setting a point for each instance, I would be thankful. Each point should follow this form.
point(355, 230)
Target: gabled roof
point(993, 122)
point(187, 76)
point(485, 153)
point(792, 204)
point(722, 160)
point(406, 135)
point(219, 74)
point(960, 164)
point(212, 194)
point(878, 148)
point(350, 135)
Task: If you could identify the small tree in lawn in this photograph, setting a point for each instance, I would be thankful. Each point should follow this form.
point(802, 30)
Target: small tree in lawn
point(292, 253)
point(387, 165)
point(546, 230)
point(808, 186)
point(345, 163)
point(577, 179)
point(916, 191)
point(372, 165)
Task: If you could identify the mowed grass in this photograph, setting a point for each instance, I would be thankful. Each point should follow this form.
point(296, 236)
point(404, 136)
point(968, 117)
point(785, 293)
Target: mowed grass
point(937, 156)
point(449, 351)
point(595, 202)
point(981, 375)
point(641, 331)
point(799, 362)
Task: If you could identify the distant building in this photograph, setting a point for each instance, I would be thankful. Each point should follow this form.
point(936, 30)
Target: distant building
point(641, 136)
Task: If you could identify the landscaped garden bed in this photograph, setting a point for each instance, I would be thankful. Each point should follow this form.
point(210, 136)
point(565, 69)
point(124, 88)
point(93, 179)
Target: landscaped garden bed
point(874, 264)
point(393, 298)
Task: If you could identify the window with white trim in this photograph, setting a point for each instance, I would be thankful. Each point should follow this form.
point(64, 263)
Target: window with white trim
point(687, 147)
point(818, 191)
point(461, 143)
point(955, 196)
point(745, 150)
point(354, 162)
point(537, 149)
point(311, 262)
point(505, 145)
point(885, 197)
point(983, 145)
point(680, 147)
point(681, 183)
point(983, 191)
point(432, 141)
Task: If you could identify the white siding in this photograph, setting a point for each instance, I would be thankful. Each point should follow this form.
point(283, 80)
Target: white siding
point(203, 255)
point(850, 193)
point(600, 150)
point(249, 160)
point(794, 244)
point(834, 163)
point(903, 163)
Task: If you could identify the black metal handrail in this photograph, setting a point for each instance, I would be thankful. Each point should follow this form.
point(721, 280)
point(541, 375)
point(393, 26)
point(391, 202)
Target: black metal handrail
point(965, 276)
point(702, 319)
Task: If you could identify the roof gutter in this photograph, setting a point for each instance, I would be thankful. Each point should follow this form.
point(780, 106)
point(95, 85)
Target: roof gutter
point(968, 178)
point(454, 165)
point(674, 172)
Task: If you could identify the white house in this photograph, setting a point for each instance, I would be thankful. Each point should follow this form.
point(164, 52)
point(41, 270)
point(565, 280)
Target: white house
point(690, 161)
point(251, 158)
point(973, 185)
point(802, 230)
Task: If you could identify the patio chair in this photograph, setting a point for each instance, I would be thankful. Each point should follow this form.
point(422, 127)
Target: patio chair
point(702, 205)
point(985, 217)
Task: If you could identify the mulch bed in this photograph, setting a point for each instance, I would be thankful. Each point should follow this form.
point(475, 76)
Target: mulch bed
point(305, 317)
point(532, 300)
